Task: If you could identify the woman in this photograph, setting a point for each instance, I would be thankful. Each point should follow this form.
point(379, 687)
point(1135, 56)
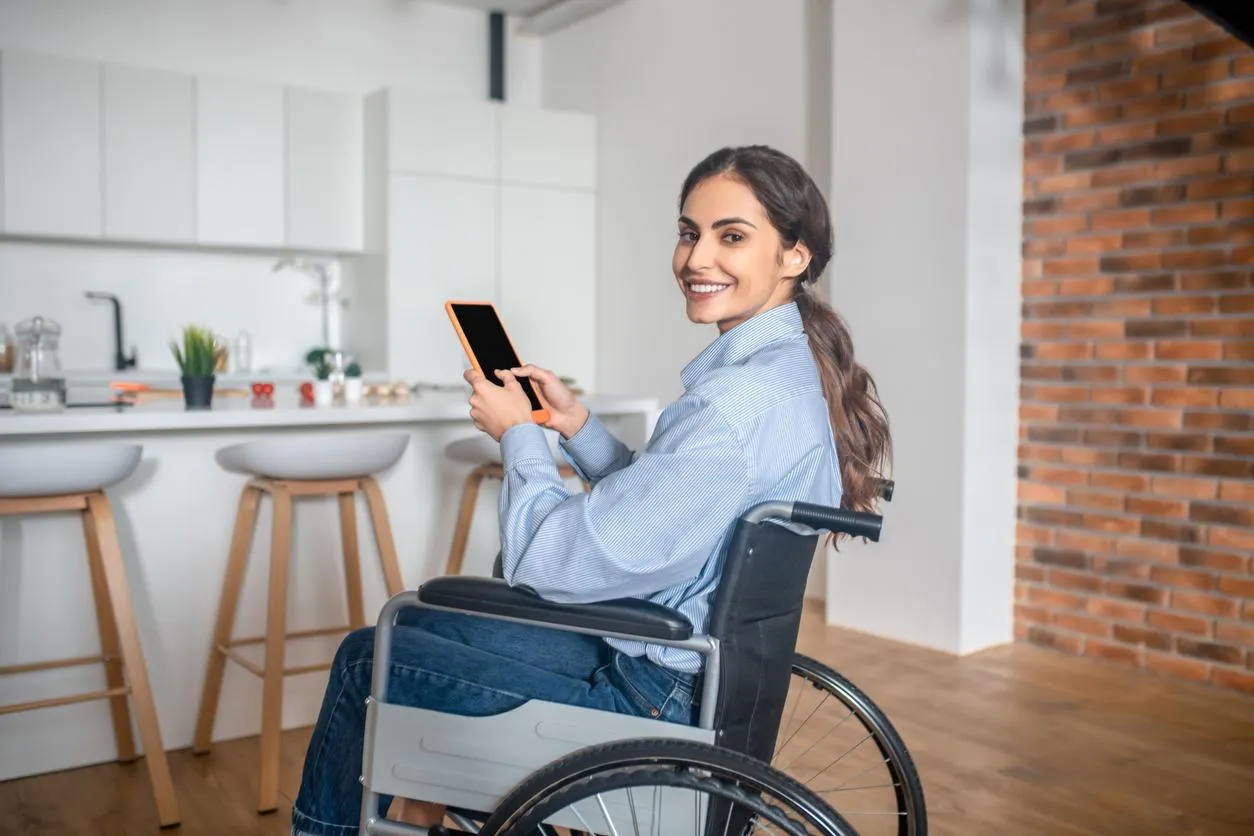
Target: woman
point(774, 409)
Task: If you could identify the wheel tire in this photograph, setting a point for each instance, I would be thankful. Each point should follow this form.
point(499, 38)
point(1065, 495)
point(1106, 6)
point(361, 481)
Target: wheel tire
point(627, 755)
point(908, 787)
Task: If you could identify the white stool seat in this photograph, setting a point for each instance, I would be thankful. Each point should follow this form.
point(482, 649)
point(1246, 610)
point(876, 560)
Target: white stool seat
point(41, 468)
point(333, 456)
point(481, 449)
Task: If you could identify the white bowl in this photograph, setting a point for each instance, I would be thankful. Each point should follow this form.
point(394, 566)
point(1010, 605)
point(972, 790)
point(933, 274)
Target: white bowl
point(333, 456)
point(43, 468)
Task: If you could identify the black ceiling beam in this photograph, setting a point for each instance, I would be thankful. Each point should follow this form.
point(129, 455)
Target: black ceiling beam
point(1237, 16)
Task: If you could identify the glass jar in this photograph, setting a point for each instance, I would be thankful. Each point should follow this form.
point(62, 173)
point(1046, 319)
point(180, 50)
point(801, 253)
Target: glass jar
point(38, 382)
point(7, 350)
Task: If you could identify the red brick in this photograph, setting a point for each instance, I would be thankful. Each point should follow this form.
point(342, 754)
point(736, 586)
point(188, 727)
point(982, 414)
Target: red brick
point(1181, 305)
point(1086, 287)
point(1047, 494)
point(1188, 166)
point(1188, 213)
point(1237, 492)
point(1157, 239)
point(1118, 654)
point(1241, 587)
point(1123, 395)
point(1093, 243)
point(1226, 91)
point(1176, 623)
point(1121, 219)
point(1236, 399)
point(1102, 502)
point(1137, 592)
point(1156, 507)
point(1234, 633)
point(1081, 624)
point(1059, 641)
point(1118, 610)
point(1124, 351)
point(1229, 186)
point(1182, 578)
point(1152, 550)
point(1239, 161)
point(1195, 75)
point(1063, 225)
point(1184, 486)
point(1034, 615)
point(1233, 679)
point(1053, 598)
point(1119, 481)
point(1191, 350)
point(1230, 538)
point(1175, 666)
point(1198, 602)
point(1129, 634)
point(1190, 123)
point(1241, 115)
point(1213, 651)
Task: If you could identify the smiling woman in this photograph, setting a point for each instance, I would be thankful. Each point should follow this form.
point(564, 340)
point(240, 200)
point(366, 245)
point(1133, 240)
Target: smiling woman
point(754, 234)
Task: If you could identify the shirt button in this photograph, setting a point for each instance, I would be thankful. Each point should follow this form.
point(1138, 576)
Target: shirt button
point(653, 712)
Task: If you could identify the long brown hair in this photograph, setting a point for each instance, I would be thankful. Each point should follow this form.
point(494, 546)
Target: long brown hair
point(799, 213)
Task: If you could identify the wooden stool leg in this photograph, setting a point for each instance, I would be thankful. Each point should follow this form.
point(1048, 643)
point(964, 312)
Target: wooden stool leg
point(133, 658)
point(110, 646)
point(352, 560)
point(383, 535)
point(236, 564)
point(465, 515)
point(276, 636)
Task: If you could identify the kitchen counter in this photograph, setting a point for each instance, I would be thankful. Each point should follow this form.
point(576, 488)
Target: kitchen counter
point(167, 413)
point(175, 515)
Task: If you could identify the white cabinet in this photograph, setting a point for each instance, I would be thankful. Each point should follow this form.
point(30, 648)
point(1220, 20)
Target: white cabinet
point(548, 148)
point(239, 163)
point(50, 133)
point(442, 235)
point(446, 137)
point(324, 170)
point(548, 277)
point(149, 155)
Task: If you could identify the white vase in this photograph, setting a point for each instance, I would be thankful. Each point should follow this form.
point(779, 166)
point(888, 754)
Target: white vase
point(352, 390)
point(324, 393)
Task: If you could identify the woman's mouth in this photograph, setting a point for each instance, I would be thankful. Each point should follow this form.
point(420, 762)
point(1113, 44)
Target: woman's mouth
point(704, 290)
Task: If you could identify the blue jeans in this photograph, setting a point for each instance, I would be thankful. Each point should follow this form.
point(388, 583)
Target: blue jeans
point(474, 666)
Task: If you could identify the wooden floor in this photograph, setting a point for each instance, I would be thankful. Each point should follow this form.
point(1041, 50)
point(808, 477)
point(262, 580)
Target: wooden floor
point(1017, 740)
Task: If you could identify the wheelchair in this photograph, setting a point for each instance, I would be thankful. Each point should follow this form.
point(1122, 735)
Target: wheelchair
point(548, 768)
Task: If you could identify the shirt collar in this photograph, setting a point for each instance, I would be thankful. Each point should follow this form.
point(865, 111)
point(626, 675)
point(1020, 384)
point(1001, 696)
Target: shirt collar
point(743, 341)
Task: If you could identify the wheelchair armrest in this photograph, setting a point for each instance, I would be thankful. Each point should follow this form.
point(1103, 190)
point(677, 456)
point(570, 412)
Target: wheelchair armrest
point(494, 597)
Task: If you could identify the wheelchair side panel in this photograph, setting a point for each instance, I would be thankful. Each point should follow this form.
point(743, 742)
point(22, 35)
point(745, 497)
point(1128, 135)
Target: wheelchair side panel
point(473, 762)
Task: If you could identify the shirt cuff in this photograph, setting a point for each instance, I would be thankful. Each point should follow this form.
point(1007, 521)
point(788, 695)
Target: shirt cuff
point(593, 447)
point(524, 442)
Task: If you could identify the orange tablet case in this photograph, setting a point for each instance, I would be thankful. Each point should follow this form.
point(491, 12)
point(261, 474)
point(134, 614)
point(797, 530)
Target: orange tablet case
point(538, 415)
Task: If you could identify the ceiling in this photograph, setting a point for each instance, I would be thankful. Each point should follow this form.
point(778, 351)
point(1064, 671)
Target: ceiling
point(521, 8)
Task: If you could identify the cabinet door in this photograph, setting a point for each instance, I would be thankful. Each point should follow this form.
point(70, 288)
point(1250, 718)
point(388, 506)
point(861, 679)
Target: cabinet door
point(324, 170)
point(51, 139)
point(448, 137)
point(239, 163)
point(442, 237)
point(548, 148)
point(149, 155)
point(548, 278)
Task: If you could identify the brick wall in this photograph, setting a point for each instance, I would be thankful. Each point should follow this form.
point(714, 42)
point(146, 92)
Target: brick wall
point(1136, 493)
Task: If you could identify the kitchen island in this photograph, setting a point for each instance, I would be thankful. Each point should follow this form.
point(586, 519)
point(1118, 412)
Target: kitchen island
point(175, 515)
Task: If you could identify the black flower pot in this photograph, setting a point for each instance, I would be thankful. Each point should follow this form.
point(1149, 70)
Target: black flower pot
point(198, 392)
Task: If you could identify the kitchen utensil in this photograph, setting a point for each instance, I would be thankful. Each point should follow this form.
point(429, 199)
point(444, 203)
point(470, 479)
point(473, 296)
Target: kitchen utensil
point(38, 382)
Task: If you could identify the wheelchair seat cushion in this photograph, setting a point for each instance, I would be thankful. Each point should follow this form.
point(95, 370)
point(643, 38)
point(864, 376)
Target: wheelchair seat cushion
point(492, 596)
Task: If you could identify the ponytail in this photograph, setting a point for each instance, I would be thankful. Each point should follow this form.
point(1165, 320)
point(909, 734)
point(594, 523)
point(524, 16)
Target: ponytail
point(799, 213)
point(859, 423)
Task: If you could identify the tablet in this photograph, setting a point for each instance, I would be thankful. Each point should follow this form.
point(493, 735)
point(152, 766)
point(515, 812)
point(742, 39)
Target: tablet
point(479, 327)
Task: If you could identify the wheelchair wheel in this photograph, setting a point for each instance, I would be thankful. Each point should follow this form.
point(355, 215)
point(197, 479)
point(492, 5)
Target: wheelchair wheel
point(830, 757)
point(657, 786)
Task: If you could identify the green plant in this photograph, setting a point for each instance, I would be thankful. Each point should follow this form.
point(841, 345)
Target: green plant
point(199, 354)
point(352, 370)
point(320, 360)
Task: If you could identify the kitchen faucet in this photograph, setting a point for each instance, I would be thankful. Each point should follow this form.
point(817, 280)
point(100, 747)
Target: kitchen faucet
point(120, 360)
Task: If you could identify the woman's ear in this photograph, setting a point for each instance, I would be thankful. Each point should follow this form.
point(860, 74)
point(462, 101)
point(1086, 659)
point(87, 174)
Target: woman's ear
point(796, 260)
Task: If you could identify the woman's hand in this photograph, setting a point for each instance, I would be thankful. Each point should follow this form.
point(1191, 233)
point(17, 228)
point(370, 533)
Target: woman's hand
point(495, 409)
point(566, 415)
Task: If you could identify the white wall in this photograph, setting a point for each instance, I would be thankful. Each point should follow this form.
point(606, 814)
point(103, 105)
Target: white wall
point(353, 46)
point(926, 200)
point(669, 82)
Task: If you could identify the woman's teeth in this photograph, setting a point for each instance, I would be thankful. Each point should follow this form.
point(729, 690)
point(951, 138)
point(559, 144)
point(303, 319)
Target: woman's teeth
point(707, 288)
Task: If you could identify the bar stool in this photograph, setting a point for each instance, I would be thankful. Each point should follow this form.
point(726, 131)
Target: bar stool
point(485, 455)
point(47, 478)
point(284, 469)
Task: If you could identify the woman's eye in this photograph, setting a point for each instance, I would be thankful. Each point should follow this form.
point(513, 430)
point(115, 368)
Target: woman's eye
point(687, 235)
point(734, 237)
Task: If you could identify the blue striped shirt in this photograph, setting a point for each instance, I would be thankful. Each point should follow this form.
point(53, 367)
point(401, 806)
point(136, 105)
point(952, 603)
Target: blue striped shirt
point(752, 425)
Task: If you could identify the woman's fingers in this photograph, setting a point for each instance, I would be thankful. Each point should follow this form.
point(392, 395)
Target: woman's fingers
point(544, 376)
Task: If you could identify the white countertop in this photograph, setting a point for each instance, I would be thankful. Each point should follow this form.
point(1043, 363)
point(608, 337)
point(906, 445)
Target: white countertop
point(168, 414)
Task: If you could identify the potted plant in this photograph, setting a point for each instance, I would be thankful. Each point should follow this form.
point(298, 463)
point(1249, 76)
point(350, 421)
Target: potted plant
point(319, 360)
point(198, 358)
point(352, 383)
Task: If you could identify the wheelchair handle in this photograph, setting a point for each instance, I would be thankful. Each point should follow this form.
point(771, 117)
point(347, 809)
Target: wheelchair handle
point(835, 520)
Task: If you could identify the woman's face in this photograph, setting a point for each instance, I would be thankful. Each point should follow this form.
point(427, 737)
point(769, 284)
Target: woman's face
point(730, 262)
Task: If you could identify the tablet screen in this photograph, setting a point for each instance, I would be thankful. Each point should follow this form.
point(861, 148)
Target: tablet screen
point(490, 344)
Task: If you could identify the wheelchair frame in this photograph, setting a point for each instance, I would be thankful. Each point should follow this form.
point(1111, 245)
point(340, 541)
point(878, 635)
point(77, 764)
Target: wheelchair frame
point(472, 762)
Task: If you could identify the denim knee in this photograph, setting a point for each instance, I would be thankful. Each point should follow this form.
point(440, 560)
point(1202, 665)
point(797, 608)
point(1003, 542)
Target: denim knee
point(355, 648)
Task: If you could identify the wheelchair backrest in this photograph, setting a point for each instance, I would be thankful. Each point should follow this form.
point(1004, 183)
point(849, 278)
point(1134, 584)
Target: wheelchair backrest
point(756, 618)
